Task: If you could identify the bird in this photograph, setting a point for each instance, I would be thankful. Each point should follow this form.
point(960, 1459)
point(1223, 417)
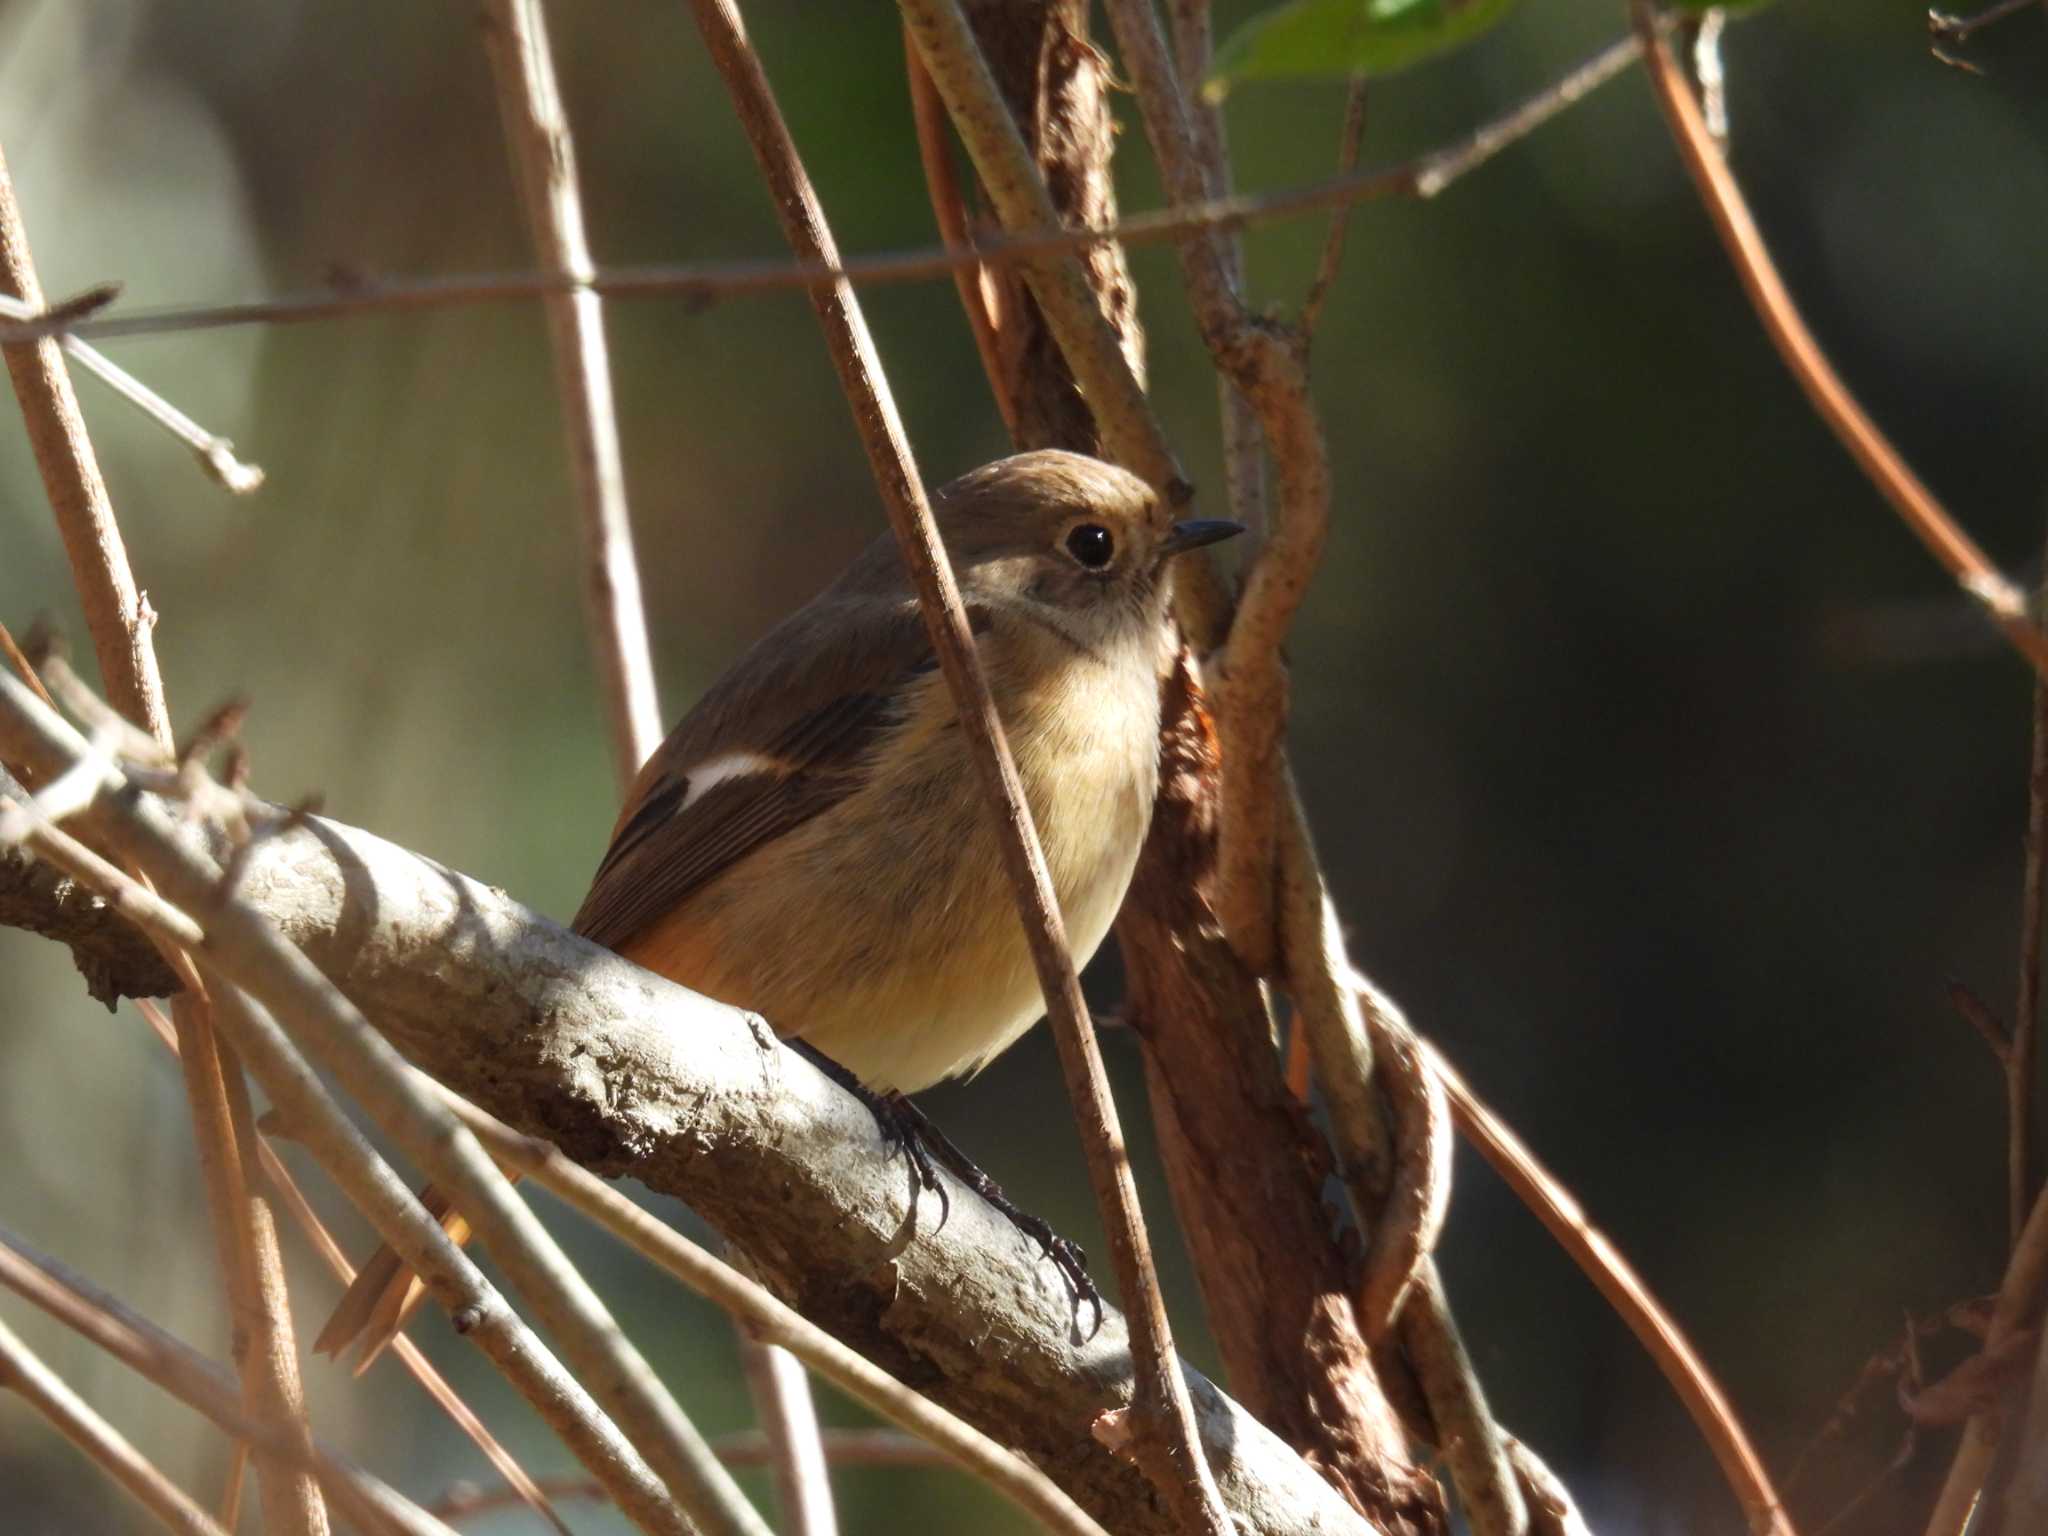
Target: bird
point(811, 842)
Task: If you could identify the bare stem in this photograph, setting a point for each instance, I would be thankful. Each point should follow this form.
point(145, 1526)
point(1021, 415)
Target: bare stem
point(2018, 1307)
point(1624, 1290)
point(216, 455)
point(1244, 445)
point(116, 614)
point(196, 1381)
point(942, 183)
point(1916, 505)
point(519, 1484)
point(544, 158)
point(120, 622)
point(1331, 261)
point(2021, 1055)
point(45, 1391)
point(1426, 176)
point(1167, 1432)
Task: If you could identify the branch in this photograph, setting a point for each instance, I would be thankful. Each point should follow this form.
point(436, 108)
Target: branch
point(120, 620)
point(544, 158)
point(196, 1381)
point(2021, 1054)
point(215, 454)
point(1166, 1436)
point(1624, 1290)
point(1268, 366)
point(1424, 177)
point(775, 1323)
point(1916, 505)
point(520, 1485)
point(118, 616)
point(1131, 434)
point(45, 1391)
point(632, 1075)
point(2019, 1305)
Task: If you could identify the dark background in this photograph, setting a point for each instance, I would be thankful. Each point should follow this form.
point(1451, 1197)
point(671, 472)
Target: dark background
point(1660, 774)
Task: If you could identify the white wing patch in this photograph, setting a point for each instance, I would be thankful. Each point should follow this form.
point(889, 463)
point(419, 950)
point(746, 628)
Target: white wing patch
point(712, 772)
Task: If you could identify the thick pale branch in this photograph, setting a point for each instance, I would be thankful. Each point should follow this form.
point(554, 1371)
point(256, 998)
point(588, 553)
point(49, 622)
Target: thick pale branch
point(630, 1075)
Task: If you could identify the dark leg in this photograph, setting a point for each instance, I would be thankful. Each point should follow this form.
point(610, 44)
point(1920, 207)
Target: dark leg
point(906, 1127)
point(1067, 1256)
point(901, 1125)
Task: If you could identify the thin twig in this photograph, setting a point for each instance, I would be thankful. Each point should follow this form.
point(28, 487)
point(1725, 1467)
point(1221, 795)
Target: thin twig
point(544, 158)
point(1268, 365)
point(1957, 29)
point(1624, 1290)
point(120, 622)
point(1167, 1437)
point(1331, 261)
point(1003, 161)
point(519, 1484)
point(942, 184)
point(2022, 1051)
point(1244, 444)
point(117, 615)
point(196, 1381)
point(1426, 176)
point(789, 1426)
point(45, 1391)
point(2019, 1305)
point(216, 454)
point(1915, 504)
point(771, 1320)
point(744, 1448)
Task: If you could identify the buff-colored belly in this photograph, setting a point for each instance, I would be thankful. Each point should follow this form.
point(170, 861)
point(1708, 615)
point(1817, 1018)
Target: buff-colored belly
point(901, 955)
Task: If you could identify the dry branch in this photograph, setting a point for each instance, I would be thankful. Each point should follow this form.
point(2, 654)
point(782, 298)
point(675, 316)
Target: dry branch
point(631, 1075)
point(2021, 1298)
point(772, 1321)
point(519, 1484)
point(45, 1391)
point(120, 622)
point(1624, 1290)
point(196, 1381)
point(1916, 505)
point(544, 160)
point(1426, 176)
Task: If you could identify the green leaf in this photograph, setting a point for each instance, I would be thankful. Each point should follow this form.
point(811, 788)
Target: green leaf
point(1348, 37)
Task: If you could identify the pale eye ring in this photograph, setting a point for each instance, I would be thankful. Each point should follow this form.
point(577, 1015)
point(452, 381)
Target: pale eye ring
point(1092, 545)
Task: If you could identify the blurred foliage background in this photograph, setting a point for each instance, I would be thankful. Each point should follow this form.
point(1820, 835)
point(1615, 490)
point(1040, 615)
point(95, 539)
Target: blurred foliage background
point(1659, 773)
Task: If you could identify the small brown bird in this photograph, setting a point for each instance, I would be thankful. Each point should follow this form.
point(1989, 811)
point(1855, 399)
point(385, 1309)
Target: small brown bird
point(812, 843)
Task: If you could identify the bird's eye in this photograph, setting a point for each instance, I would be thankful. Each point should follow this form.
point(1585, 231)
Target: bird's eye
point(1092, 545)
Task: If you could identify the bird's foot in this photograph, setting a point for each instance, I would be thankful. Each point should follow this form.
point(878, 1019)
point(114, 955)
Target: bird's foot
point(909, 1130)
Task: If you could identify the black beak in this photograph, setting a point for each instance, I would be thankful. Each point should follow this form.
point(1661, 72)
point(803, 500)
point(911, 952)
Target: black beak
point(1183, 537)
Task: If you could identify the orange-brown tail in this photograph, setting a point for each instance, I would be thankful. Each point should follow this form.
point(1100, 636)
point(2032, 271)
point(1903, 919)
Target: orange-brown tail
point(382, 1298)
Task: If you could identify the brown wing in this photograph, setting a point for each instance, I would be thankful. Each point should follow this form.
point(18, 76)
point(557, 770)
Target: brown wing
point(810, 702)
